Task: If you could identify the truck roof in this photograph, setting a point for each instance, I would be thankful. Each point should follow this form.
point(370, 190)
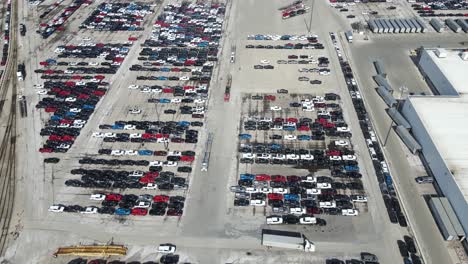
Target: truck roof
point(281, 233)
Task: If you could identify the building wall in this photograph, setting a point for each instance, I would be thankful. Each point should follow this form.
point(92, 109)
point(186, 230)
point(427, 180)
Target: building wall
point(437, 79)
point(437, 165)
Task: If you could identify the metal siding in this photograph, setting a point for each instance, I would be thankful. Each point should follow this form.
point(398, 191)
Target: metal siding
point(439, 169)
point(408, 139)
point(386, 96)
point(398, 118)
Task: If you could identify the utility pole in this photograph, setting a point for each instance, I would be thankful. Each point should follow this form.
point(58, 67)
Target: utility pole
point(311, 15)
point(402, 89)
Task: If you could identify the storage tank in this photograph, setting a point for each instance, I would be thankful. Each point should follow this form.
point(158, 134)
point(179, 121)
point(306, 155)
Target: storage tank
point(452, 25)
point(435, 23)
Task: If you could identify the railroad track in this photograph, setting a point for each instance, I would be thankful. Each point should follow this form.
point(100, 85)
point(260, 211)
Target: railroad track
point(8, 142)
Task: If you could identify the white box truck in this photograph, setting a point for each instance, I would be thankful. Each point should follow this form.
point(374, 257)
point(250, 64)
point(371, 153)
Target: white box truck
point(286, 239)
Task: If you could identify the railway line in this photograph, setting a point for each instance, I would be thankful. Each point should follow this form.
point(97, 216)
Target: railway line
point(8, 108)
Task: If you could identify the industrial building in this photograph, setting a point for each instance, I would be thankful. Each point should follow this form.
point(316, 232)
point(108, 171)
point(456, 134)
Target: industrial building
point(439, 124)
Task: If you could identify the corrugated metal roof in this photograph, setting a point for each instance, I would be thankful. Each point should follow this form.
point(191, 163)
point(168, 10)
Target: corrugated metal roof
point(408, 139)
point(386, 96)
point(398, 118)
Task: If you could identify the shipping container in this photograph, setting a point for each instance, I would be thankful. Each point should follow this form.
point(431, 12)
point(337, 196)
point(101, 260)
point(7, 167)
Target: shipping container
point(463, 24)
point(379, 26)
point(373, 26)
point(407, 27)
point(387, 25)
point(401, 25)
point(437, 25)
point(395, 26)
point(421, 23)
point(390, 25)
point(452, 25)
point(416, 24)
point(412, 26)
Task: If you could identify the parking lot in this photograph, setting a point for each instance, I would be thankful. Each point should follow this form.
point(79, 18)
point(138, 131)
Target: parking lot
point(315, 142)
point(131, 174)
point(156, 134)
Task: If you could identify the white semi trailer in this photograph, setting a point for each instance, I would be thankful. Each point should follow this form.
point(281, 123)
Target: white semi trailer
point(286, 239)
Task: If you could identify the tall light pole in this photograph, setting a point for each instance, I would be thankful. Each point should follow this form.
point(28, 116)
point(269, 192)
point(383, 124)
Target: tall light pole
point(311, 15)
point(403, 89)
point(309, 26)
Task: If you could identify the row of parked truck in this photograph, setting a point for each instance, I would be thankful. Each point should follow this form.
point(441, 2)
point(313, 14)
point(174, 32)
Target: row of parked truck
point(399, 25)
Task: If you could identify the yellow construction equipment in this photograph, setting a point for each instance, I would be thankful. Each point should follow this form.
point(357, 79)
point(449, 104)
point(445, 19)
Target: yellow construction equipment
point(92, 251)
